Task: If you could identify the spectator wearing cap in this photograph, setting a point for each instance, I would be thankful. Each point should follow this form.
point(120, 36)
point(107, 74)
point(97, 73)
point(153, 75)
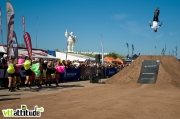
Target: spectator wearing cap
point(1, 63)
point(4, 60)
point(44, 64)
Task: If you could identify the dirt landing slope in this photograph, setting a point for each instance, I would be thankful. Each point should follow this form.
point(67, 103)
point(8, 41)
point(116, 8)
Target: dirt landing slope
point(169, 73)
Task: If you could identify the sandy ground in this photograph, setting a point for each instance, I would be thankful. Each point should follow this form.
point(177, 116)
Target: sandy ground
point(120, 98)
point(100, 101)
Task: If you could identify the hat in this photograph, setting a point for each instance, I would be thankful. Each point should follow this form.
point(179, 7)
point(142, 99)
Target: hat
point(36, 59)
point(4, 55)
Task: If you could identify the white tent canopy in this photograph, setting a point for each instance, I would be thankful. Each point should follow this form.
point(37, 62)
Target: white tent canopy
point(22, 52)
point(2, 50)
point(72, 56)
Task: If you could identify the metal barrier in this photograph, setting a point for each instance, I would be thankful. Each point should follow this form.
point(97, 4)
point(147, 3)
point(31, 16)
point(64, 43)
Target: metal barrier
point(84, 73)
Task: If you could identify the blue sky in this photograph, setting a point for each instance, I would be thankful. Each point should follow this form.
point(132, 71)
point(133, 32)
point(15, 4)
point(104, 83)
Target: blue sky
point(119, 22)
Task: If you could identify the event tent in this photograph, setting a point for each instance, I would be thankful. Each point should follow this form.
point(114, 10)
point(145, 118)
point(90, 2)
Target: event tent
point(70, 56)
point(36, 53)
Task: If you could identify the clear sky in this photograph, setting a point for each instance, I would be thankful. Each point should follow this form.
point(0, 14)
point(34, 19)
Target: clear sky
point(119, 22)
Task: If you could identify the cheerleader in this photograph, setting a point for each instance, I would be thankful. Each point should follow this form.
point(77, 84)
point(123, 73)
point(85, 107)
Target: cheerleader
point(48, 73)
point(11, 81)
point(57, 73)
point(28, 77)
point(17, 74)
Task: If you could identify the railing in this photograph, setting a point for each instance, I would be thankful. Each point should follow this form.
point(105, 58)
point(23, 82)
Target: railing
point(71, 74)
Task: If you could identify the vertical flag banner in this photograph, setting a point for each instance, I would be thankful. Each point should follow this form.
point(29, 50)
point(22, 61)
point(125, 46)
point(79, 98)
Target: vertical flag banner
point(27, 40)
point(1, 24)
point(23, 23)
point(176, 51)
point(128, 49)
point(10, 27)
point(127, 45)
point(0, 21)
point(132, 49)
point(15, 45)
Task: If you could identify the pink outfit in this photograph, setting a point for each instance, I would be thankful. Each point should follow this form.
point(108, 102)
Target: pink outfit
point(7, 63)
point(20, 61)
point(16, 69)
point(60, 69)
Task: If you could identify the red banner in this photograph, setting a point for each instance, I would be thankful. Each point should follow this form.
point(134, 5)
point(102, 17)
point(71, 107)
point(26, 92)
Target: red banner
point(27, 40)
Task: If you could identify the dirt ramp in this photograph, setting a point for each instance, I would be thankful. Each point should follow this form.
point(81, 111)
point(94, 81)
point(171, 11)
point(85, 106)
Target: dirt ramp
point(169, 72)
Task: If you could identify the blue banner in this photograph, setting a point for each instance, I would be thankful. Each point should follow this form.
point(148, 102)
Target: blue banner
point(70, 75)
point(111, 71)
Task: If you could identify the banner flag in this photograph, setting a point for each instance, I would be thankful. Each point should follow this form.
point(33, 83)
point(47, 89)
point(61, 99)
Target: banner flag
point(15, 45)
point(1, 25)
point(23, 23)
point(10, 27)
point(127, 45)
point(27, 40)
point(0, 21)
point(132, 47)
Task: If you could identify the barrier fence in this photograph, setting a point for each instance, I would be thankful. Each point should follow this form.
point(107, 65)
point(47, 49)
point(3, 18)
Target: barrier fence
point(69, 75)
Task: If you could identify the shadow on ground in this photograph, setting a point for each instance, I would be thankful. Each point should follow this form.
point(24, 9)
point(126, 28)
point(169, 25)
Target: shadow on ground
point(60, 87)
point(5, 99)
point(8, 95)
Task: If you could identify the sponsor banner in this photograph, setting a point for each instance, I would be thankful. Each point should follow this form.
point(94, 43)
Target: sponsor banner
point(15, 45)
point(10, 27)
point(111, 71)
point(27, 40)
point(70, 74)
point(0, 21)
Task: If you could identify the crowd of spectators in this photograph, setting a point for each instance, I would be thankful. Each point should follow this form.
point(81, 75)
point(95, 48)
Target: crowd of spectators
point(73, 64)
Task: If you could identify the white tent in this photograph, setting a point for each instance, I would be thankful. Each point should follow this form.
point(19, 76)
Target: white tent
point(72, 56)
point(22, 52)
point(2, 50)
point(35, 54)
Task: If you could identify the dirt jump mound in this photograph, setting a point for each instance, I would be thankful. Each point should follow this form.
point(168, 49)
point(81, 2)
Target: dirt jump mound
point(168, 72)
